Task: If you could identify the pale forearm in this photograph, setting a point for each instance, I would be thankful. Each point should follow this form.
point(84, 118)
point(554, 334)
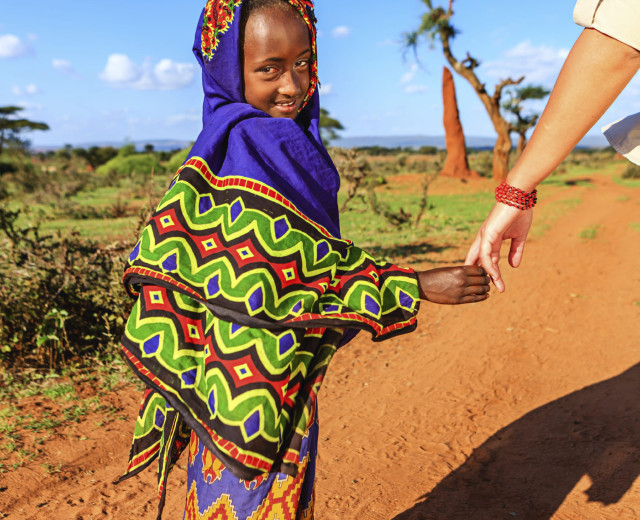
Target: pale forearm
point(595, 72)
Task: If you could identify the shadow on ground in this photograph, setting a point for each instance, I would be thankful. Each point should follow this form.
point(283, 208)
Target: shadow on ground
point(526, 470)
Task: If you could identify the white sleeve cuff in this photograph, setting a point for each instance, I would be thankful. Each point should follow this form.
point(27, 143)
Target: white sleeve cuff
point(624, 136)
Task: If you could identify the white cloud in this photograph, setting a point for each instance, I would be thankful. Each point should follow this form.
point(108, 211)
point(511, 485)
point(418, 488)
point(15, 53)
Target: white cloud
point(341, 32)
point(172, 75)
point(326, 89)
point(30, 106)
point(182, 118)
point(29, 90)
point(539, 64)
point(121, 71)
point(63, 66)
point(12, 47)
point(406, 78)
point(416, 89)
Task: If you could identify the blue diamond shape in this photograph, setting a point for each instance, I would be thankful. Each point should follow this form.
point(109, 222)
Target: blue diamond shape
point(286, 343)
point(281, 227)
point(371, 305)
point(189, 377)
point(171, 263)
point(235, 328)
point(322, 250)
point(212, 403)
point(406, 301)
point(134, 254)
point(297, 307)
point(256, 299)
point(331, 308)
point(236, 210)
point(159, 418)
point(205, 204)
point(213, 286)
point(152, 345)
point(252, 424)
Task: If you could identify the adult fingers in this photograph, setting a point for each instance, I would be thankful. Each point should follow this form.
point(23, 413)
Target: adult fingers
point(474, 250)
point(516, 251)
point(489, 258)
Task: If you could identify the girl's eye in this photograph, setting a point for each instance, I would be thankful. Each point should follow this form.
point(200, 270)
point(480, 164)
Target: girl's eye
point(268, 69)
point(302, 63)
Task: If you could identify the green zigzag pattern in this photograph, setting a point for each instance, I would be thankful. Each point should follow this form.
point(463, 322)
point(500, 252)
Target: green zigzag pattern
point(194, 341)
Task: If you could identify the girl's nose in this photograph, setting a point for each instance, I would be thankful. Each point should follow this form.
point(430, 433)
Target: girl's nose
point(290, 85)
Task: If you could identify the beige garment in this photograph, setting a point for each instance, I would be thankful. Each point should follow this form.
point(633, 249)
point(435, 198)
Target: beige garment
point(619, 19)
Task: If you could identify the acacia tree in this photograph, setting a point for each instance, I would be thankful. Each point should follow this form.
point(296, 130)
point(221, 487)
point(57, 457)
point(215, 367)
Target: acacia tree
point(11, 127)
point(436, 24)
point(521, 123)
point(328, 126)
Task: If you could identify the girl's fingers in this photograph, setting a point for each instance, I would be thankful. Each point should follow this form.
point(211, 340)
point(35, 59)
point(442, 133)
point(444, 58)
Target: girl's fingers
point(476, 289)
point(473, 298)
point(479, 280)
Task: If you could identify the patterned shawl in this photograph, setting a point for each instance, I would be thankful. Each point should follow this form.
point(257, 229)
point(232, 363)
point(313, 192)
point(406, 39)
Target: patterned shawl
point(244, 287)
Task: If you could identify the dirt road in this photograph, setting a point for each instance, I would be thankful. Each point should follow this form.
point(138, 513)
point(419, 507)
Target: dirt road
point(526, 406)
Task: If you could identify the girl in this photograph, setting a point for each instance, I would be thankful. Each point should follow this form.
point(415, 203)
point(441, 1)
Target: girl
point(244, 287)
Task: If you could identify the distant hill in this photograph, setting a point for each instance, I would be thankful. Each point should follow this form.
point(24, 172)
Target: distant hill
point(412, 141)
point(416, 141)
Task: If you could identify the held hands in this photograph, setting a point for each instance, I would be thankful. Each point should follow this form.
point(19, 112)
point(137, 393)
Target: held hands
point(503, 223)
point(454, 285)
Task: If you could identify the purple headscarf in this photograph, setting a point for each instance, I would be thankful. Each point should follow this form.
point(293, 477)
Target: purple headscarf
point(238, 139)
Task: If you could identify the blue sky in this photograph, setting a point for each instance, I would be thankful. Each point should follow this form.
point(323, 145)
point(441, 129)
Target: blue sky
point(119, 70)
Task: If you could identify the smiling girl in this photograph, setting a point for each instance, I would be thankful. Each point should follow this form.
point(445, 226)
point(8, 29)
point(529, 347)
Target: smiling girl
point(245, 288)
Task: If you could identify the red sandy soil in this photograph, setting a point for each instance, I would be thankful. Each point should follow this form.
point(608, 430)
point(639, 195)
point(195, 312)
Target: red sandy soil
point(526, 406)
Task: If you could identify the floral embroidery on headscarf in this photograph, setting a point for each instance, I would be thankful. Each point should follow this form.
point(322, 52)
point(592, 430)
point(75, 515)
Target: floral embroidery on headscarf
point(305, 8)
point(218, 16)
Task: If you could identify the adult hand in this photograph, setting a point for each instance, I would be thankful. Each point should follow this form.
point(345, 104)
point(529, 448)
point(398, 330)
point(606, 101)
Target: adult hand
point(503, 223)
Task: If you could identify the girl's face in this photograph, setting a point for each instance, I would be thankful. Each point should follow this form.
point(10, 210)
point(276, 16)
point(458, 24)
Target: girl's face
point(277, 52)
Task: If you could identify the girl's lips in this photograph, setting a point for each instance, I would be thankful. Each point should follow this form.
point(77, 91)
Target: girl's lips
point(286, 108)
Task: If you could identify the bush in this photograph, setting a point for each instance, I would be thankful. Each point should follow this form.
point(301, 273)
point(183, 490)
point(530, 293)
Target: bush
point(123, 166)
point(62, 296)
point(177, 159)
point(632, 172)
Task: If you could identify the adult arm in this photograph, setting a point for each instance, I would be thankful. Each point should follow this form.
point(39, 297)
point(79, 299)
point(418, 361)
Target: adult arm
point(595, 72)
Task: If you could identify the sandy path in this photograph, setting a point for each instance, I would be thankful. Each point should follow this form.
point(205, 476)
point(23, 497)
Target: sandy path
point(522, 407)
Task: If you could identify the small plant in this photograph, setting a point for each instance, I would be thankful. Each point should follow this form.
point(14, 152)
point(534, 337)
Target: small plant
point(589, 233)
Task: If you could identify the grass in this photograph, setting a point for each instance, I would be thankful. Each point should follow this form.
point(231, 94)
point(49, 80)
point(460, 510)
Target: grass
point(589, 233)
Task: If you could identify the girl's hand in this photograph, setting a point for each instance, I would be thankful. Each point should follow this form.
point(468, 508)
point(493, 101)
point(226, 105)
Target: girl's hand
point(454, 285)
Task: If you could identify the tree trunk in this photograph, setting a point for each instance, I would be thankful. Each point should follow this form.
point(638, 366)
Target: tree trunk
point(456, 164)
point(501, 156)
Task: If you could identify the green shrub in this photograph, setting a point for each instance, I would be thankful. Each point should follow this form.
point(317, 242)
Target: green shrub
point(61, 296)
point(123, 166)
point(177, 159)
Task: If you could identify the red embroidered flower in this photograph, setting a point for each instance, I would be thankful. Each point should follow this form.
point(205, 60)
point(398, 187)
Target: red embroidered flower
point(218, 16)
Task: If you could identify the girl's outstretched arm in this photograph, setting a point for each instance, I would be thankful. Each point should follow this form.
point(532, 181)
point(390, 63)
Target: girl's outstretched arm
point(595, 72)
point(454, 285)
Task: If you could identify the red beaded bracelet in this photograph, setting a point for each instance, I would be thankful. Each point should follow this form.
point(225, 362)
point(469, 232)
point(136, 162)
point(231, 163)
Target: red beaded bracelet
point(516, 197)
